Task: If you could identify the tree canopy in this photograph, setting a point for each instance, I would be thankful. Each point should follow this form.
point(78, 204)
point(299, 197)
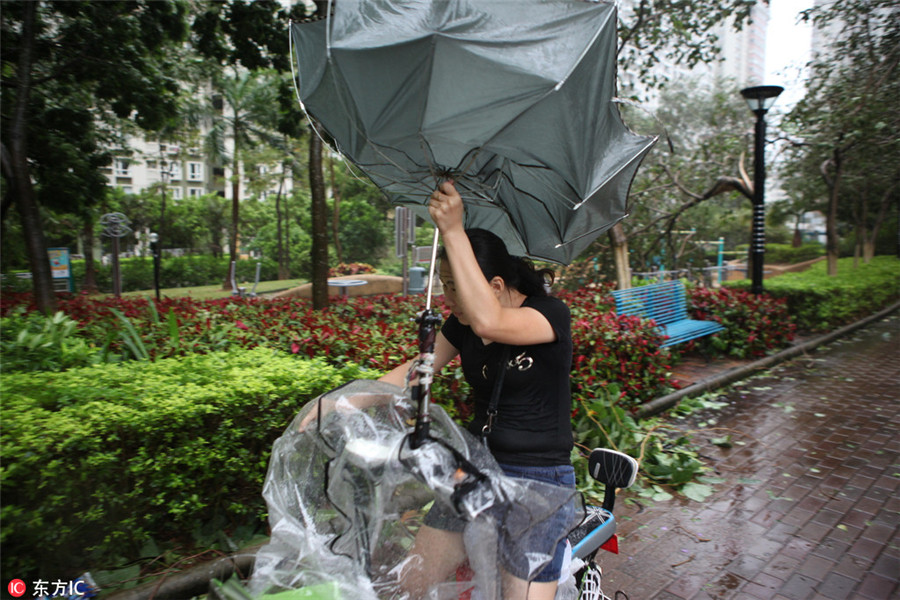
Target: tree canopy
point(845, 132)
point(71, 73)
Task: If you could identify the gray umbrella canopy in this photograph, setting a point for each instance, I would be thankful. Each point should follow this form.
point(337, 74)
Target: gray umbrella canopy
point(512, 99)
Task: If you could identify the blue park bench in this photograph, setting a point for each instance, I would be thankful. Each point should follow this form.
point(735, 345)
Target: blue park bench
point(664, 303)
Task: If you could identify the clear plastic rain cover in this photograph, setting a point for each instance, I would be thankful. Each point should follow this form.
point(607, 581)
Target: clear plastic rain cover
point(347, 496)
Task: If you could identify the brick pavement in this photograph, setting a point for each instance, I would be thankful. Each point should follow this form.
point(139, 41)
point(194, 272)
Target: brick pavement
point(805, 503)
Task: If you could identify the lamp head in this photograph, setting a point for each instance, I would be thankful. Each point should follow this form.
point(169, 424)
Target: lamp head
point(154, 237)
point(760, 98)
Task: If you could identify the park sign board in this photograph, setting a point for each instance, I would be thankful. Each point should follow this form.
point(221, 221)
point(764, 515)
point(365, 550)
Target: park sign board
point(61, 269)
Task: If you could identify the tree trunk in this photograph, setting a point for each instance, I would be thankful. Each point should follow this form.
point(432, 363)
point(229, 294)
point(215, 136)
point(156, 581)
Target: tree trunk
point(319, 209)
point(336, 217)
point(89, 285)
point(831, 236)
point(283, 271)
point(22, 188)
point(797, 240)
point(235, 214)
point(619, 242)
point(869, 245)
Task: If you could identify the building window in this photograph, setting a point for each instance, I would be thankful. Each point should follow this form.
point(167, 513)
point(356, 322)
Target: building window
point(195, 192)
point(175, 193)
point(195, 171)
point(127, 189)
point(175, 171)
point(123, 168)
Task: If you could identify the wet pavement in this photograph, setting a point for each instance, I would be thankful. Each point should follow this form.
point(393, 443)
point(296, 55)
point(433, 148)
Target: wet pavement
point(805, 503)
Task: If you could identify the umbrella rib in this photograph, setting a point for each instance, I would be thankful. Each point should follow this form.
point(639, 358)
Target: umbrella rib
point(625, 164)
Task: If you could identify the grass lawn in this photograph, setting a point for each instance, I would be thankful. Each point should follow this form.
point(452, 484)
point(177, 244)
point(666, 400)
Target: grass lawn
point(206, 292)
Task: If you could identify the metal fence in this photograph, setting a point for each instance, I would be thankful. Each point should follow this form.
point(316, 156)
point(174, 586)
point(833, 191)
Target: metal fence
point(704, 276)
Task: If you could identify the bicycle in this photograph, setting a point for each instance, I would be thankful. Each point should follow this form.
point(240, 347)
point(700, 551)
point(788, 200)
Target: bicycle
point(347, 497)
point(615, 470)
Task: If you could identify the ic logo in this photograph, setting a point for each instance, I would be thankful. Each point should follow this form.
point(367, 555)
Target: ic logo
point(16, 588)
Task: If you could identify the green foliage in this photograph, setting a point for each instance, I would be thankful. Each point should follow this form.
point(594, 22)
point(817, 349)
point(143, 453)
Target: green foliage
point(666, 459)
point(175, 271)
point(819, 302)
point(674, 221)
point(673, 33)
point(785, 254)
point(99, 461)
point(847, 120)
point(37, 342)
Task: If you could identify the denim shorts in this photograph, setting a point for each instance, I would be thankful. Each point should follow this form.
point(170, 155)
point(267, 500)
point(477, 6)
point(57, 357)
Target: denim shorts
point(555, 527)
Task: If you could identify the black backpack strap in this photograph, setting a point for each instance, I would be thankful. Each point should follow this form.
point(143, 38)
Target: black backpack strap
point(495, 394)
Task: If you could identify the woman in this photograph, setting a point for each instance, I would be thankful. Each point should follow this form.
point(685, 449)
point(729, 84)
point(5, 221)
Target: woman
point(499, 300)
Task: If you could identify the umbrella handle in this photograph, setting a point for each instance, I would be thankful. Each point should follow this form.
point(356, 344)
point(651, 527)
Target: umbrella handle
point(428, 322)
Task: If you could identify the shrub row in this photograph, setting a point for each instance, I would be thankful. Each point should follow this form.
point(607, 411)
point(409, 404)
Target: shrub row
point(175, 271)
point(108, 457)
point(820, 302)
point(611, 349)
point(755, 325)
point(786, 254)
point(100, 460)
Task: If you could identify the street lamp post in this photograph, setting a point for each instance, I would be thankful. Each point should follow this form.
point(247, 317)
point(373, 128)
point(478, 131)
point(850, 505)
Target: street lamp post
point(760, 99)
point(154, 249)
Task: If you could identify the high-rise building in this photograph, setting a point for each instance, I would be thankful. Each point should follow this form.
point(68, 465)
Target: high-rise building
point(741, 56)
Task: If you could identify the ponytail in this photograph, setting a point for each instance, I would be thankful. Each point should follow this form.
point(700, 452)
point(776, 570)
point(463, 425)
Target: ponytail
point(516, 271)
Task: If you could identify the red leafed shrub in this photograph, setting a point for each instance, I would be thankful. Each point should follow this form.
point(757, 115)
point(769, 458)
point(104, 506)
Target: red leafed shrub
point(614, 349)
point(610, 349)
point(755, 325)
point(350, 269)
point(376, 332)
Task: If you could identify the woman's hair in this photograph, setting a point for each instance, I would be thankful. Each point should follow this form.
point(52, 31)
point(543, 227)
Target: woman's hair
point(516, 271)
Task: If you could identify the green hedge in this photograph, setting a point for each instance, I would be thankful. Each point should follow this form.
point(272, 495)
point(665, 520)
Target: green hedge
point(99, 461)
point(785, 254)
point(820, 302)
point(175, 271)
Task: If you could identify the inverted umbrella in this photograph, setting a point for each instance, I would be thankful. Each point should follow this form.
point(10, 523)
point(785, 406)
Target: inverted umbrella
point(511, 100)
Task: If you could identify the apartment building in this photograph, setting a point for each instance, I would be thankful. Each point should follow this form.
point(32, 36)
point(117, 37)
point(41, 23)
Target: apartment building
point(184, 170)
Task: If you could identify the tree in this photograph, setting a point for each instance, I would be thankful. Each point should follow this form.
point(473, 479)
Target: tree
point(656, 32)
point(846, 130)
point(653, 33)
point(246, 120)
point(702, 158)
point(319, 219)
point(251, 34)
point(64, 63)
point(363, 227)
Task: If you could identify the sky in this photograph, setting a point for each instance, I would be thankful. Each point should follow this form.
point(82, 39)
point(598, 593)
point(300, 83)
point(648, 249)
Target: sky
point(787, 49)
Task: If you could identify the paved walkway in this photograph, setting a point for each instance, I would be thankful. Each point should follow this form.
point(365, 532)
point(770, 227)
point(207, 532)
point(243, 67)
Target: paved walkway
point(806, 503)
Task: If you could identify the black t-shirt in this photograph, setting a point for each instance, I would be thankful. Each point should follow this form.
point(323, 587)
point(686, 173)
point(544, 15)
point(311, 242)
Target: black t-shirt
point(533, 424)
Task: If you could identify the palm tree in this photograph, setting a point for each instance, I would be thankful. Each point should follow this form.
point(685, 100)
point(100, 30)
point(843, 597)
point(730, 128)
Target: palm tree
point(244, 111)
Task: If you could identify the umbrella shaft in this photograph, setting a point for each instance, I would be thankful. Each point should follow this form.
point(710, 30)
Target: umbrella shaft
point(434, 247)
